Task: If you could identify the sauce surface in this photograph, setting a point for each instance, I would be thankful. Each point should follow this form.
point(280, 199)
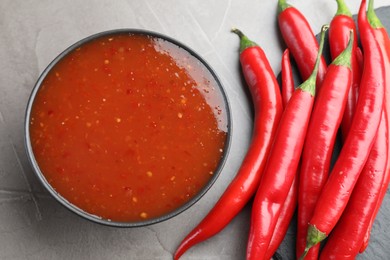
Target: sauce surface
point(128, 127)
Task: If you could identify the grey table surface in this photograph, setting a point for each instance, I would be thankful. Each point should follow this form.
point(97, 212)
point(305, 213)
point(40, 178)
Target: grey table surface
point(32, 224)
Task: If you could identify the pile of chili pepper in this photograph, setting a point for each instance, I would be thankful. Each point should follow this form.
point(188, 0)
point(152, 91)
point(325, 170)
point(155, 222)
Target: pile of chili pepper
point(288, 164)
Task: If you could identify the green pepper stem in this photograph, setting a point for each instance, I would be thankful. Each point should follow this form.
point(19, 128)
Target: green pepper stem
point(344, 58)
point(314, 236)
point(304, 253)
point(372, 17)
point(245, 42)
point(342, 8)
point(310, 84)
point(282, 5)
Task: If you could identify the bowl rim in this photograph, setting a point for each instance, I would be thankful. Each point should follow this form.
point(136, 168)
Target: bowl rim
point(94, 218)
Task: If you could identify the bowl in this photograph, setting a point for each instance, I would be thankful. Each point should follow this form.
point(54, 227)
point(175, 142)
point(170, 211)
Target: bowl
point(127, 128)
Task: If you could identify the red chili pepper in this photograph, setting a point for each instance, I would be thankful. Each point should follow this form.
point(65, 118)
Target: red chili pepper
point(342, 23)
point(359, 58)
point(282, 164)
point(354, 153)
point(287, 78)
point(284, 220)
point(300, 40)
point(267, 102)
point(289, 206)
point(346, 238)
point(384, 42)
point(320, 139)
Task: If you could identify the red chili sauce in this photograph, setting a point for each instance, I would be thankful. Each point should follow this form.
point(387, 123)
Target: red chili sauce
point(128, 127)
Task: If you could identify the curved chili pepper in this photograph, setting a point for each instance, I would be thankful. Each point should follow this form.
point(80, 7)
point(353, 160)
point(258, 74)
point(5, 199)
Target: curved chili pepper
point(354, 153)
point(287, 78)
point(267, 102)
point(289, 206)
point(340, 26)
point(282, 164)
point(384, 42)
point(300, 40)
point(320, 139)
point(346, 238)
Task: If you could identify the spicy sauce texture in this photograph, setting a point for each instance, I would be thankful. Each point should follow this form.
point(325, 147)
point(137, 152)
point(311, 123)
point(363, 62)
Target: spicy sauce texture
point(128, 127)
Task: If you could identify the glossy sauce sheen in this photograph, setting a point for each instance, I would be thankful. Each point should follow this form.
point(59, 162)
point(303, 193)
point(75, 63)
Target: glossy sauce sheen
point(128, 127)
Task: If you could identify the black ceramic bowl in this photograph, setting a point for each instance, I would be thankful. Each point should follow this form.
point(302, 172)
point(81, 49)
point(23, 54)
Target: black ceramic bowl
point(76, 209)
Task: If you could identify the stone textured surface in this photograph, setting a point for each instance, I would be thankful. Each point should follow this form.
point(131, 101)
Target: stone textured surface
point(32, 224)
